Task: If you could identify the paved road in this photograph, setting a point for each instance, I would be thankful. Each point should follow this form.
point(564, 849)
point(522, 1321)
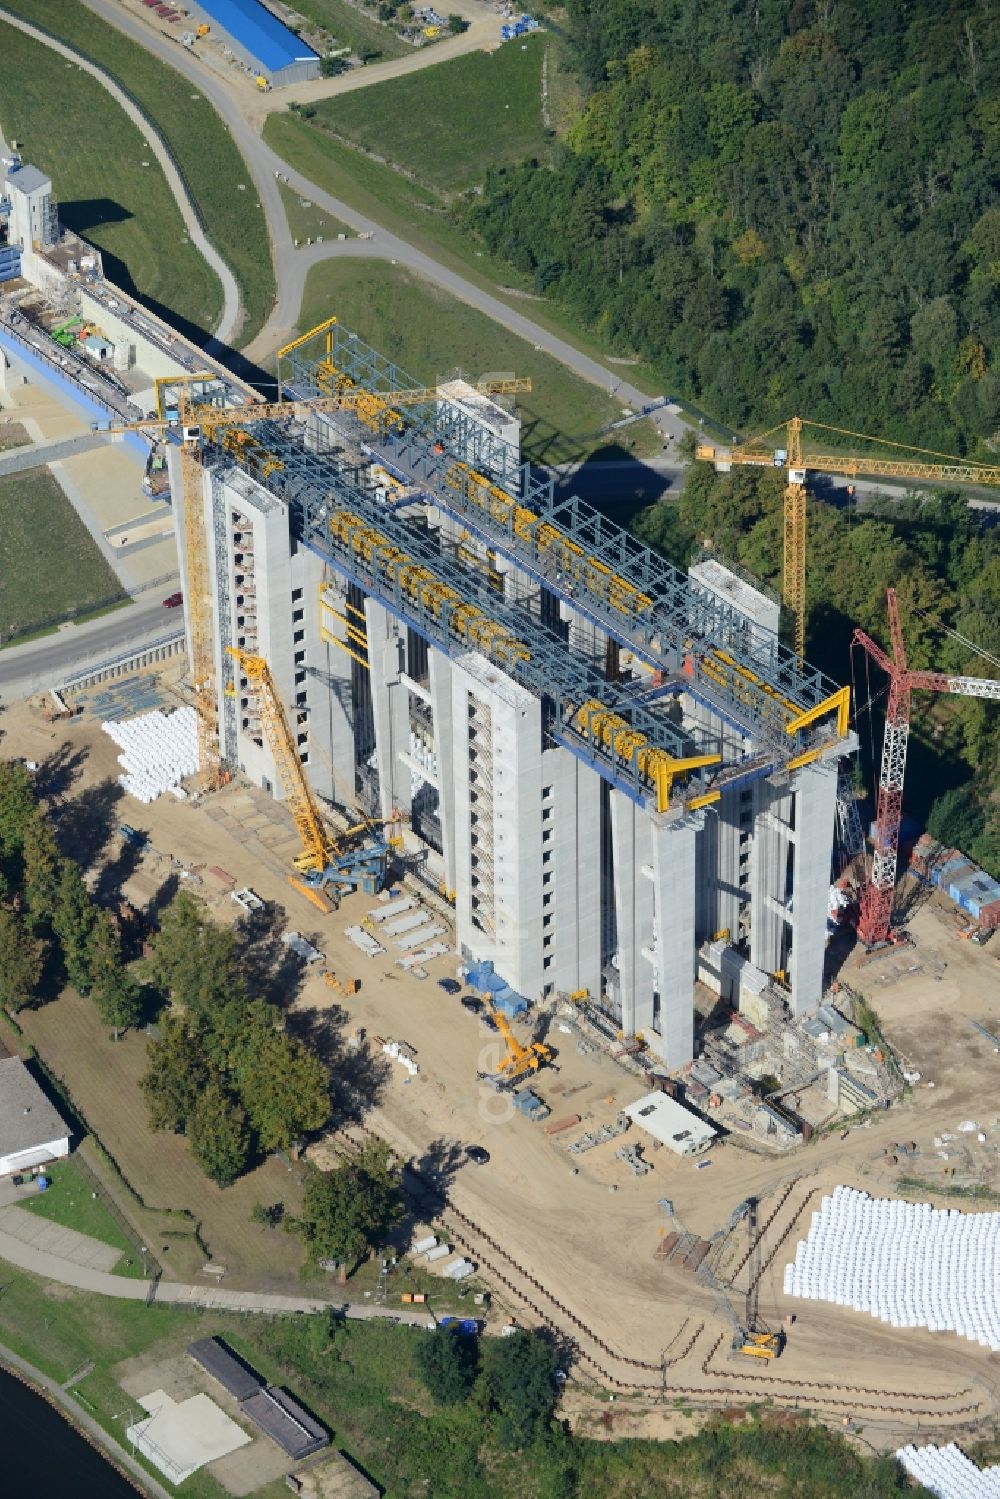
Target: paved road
point(87, 1278)
point(265, 163)
point(46, 662)
point(228, 324)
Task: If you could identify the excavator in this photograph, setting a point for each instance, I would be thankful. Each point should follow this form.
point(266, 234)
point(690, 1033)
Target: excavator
point(519, 1060)
point(327, 867)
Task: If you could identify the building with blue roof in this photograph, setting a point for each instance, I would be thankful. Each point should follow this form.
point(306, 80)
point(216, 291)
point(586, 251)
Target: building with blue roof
point(265, 46)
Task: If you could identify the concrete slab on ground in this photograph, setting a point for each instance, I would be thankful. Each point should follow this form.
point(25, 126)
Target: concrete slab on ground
point(53, 1238)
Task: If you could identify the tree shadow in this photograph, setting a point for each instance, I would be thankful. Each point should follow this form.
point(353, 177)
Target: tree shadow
point(427, 1183)
point(161, 900)
point(116, 871)
point(58, 771)
point(270, 969)
point(85, 824)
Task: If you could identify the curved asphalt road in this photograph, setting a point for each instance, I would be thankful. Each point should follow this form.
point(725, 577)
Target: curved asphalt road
point(229, 321)
point(292, 266)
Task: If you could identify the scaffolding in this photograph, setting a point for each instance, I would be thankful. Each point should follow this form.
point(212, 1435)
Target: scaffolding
point(398, 564)
point(594, 566)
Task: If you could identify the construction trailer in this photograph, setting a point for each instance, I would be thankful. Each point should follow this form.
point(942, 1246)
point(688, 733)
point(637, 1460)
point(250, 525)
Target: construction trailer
point(603, 761)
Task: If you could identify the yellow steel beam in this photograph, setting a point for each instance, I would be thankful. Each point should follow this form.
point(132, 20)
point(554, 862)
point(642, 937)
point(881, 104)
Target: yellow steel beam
point(838, 702)
point(296, 343)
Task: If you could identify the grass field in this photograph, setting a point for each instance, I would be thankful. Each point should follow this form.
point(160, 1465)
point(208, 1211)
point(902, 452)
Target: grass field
point(447, 125)
point(128, 211)
point(419, 216)
point(49, 564)
point(359, 1380)
point(350, 27)
point(70, 1200)
point(308, 223)
point(211, 164)
point(432, 335)
point(102, 1078)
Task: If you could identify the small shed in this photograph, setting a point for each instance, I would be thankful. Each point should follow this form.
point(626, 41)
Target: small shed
point(32, 1131)
point(98, 348)
point(672, 1124)
point(224, 1365)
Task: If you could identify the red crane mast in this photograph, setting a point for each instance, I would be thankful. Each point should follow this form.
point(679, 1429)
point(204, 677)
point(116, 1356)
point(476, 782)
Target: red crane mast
point(875, 916)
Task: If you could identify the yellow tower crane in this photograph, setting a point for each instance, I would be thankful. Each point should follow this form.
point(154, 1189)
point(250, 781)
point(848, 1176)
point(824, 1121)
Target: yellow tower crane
point(902, 462)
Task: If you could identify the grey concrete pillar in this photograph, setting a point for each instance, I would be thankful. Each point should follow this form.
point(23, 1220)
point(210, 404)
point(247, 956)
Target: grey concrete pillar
point(815, 788)
point(674, 858)
point(390, 708)
point(768, 877)
point(439, 676)
point(633, 913)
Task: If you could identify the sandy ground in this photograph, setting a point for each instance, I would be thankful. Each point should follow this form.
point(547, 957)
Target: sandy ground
point(577, 1248)
point(133, 531)
point(44, 416)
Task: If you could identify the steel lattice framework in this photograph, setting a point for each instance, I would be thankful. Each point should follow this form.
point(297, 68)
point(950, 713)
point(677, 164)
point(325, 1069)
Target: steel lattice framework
point(332, 511)
point(753, 682)
point(875, 917)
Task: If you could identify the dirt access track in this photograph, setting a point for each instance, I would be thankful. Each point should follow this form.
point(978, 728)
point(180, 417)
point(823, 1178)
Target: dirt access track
point(575, 1248)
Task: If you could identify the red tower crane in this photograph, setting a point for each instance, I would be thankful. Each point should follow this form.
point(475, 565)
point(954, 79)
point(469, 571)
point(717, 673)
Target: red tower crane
point(875, 916)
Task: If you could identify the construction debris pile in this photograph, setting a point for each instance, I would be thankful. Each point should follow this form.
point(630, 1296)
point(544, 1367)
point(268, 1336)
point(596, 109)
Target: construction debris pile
point(948, 1473)
point(906, 1263)
point(158, 751)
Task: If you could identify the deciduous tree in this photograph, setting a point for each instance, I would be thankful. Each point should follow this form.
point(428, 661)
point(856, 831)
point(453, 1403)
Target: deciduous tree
point(22, 960)
point(347, 1212)
point(447, 1361)
point(73, 922)
point(220, 1136)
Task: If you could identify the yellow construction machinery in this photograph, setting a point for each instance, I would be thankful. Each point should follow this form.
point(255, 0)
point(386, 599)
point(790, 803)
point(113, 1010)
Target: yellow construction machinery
point(751, 1337)
point(520, 1060)
point(904, 462)
point(358, 860)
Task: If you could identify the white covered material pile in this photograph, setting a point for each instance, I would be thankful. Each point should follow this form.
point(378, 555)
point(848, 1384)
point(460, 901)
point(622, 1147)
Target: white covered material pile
point(906, 1263)
point(158, 751)
point(949, 1474)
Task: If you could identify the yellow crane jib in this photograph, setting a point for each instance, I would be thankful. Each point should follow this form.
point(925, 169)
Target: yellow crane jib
point(616, 735)
point(317, 846)
point(519, 1059)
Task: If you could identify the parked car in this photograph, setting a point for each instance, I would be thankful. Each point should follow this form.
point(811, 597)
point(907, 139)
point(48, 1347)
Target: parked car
point(174, 601)
point(477, 1155)
point(450, 986)
point(489, 1022)
point(471, 1003)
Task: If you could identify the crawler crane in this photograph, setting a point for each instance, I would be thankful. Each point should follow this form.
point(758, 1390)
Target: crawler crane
point(326, 866)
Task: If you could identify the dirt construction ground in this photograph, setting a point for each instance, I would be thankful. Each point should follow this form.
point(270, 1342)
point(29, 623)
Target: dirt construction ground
point(575, 1248)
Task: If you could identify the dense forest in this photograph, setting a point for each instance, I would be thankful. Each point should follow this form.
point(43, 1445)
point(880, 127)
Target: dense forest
point(783, 207)
point(795, 208)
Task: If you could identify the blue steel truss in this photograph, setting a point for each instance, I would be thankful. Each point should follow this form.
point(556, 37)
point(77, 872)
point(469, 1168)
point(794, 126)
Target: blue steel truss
point(318, 486)
point(757, 685)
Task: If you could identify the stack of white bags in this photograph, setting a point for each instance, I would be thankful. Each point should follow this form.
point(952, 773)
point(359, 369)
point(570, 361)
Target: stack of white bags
point(158, 751)
point(906, 1263)
point(949, 1474)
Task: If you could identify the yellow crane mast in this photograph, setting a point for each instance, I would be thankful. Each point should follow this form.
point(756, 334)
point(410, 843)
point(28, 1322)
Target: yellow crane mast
point(903, 462)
